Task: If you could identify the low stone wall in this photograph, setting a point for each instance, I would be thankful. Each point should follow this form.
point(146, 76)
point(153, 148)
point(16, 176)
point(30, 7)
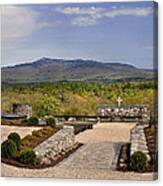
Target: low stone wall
point(138, 140)
point(48, 151)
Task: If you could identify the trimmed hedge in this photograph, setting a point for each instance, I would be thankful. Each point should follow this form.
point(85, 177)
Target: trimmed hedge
point(33, 120)
point(28, 156)
point(8, 149)
point(51, 121)
point(138, 162)
point(16, 138)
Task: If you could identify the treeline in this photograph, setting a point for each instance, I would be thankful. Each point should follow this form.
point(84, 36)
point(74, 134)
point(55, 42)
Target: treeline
point(76, 98)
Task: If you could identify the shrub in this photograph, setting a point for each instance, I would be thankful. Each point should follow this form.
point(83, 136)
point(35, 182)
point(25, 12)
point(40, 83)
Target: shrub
point(8, 149)
point(24, 121)
point(138, 162)
point(33, 120)
point(16, 138)
point(37, 133)
point(27, 156)
point(51, 121)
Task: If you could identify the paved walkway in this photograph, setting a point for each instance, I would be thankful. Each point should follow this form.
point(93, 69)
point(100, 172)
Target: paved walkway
point(97, 155)
point(101, 146)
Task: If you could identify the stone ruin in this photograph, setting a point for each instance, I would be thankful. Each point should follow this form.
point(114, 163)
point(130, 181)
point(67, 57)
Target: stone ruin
point(22, 109)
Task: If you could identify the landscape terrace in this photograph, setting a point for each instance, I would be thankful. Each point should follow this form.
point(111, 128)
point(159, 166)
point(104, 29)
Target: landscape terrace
point(79, 91)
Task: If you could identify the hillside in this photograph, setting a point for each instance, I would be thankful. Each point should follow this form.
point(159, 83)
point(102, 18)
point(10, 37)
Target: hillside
point(52, 70)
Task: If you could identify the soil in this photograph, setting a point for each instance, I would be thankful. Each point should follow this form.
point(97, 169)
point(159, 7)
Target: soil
point(124, 157)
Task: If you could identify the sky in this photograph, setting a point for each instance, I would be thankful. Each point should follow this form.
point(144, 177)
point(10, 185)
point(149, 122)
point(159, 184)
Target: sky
point(106, 32)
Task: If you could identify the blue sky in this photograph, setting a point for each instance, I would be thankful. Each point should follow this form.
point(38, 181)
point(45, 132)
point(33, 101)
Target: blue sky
point(107, 32)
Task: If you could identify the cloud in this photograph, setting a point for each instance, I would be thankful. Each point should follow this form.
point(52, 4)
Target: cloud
point(80, 11)
point(83, 21)
point(18, 21)
point(91, 15)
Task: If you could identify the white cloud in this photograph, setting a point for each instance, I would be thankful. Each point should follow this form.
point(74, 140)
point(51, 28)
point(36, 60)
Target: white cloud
point(18, 21)
point(84, 21)
point(129, 11)
point(81, 11)
point(90, 16)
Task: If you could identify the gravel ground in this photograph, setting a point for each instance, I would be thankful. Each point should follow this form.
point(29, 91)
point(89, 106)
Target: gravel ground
point(22, 131)
point(108, 132)
point(55, 172)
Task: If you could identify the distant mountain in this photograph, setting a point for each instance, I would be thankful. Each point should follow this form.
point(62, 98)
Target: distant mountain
point(53, 70)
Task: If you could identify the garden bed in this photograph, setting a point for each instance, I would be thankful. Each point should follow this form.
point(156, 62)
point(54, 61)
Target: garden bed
point(38, 136)
point(62, 155)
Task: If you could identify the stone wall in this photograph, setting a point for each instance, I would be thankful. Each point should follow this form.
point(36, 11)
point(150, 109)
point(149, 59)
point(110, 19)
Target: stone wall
point(138, 140)
point(50, 149)
point(133, 112)
point(22, 109)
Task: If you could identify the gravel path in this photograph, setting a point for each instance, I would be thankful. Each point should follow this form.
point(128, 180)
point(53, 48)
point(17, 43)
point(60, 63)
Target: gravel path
point(106, 132)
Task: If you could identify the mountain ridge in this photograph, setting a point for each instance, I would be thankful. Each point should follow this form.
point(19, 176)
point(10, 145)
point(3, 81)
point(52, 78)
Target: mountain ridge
point(52, 70)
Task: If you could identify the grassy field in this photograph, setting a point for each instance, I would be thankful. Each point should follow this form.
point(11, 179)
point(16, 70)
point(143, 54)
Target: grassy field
point(76, 98)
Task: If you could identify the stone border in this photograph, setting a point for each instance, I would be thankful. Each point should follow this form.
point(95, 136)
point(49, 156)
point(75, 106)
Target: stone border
point(138, 140)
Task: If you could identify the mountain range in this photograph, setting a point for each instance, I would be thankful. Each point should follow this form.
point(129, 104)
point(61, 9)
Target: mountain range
point(54, 70)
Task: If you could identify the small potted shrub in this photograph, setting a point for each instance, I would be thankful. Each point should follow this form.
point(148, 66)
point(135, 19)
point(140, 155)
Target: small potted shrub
point(16, 138)
point(138, 162)
point(28, 156)
point(33, 120)
point(8, 149)
point(51, 121)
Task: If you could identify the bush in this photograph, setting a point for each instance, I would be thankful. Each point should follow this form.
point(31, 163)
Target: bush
point(24, 121)
point(51, 121)
point(8, 149)
point(138, 162)
point(27, 156)
point(16, 138)
point(33, 120)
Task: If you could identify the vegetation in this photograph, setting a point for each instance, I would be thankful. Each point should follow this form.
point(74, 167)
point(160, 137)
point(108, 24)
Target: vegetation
point(138, 162)
point(51, 121)
point(8, 149)
point(33, 120)
point(28, 156)
point(16, 138)
point(76, 98)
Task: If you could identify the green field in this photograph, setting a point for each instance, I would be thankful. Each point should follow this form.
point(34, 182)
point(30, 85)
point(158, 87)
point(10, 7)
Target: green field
point(76, 98)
